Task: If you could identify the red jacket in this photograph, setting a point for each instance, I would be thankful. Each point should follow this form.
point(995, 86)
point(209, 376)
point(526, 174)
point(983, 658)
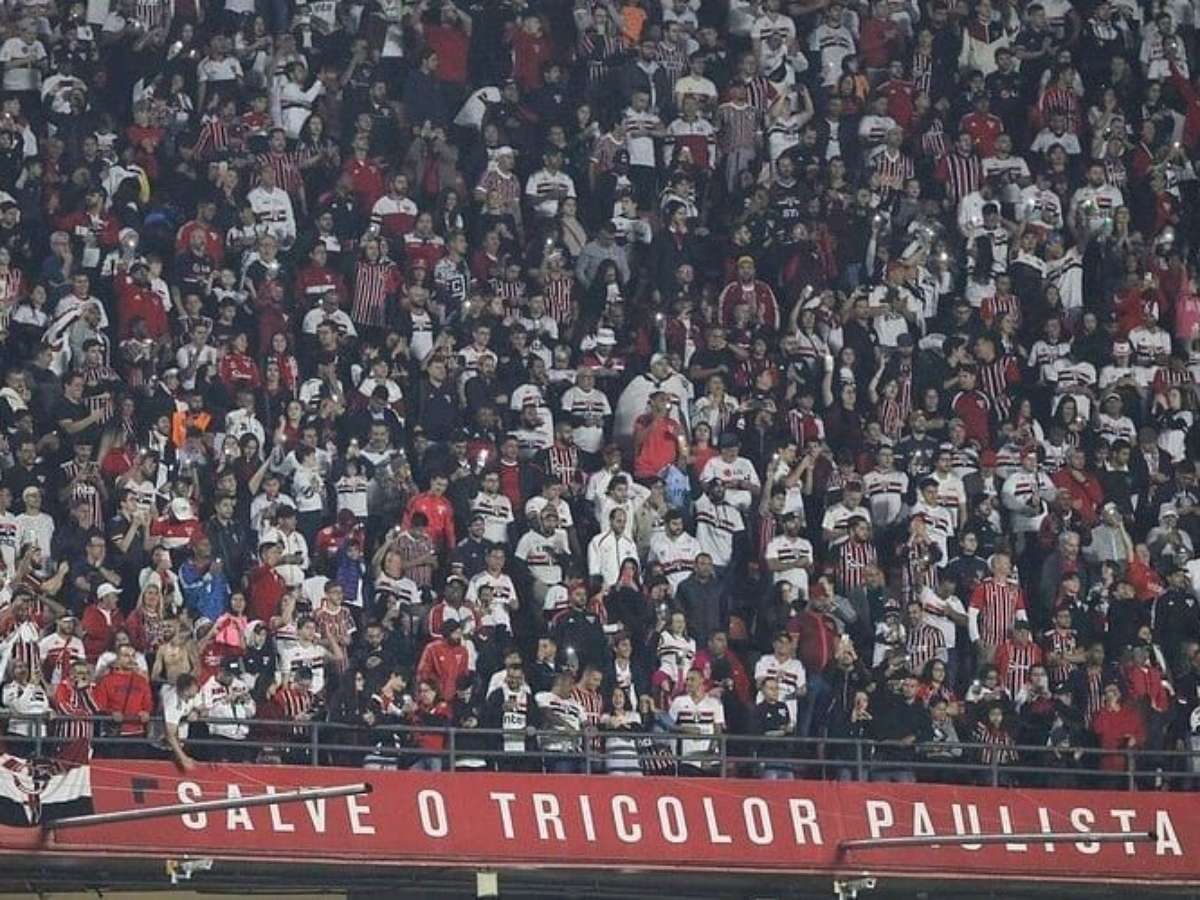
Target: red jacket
point(239, 370)
point(1146, 685)
point(135, 301)
point(265, 590)
point(763, 298)
point(314, 282)
point(99, 629)
point(1112, 729)
point(127, 693)
point(443, 663)
point(103, 227)
point(1191, 122)
point(437, 716)
point(440, 512)
point(1086, 495)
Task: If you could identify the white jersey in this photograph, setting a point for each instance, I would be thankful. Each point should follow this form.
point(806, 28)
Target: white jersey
point(504, 597)
point(791, 550)
point(273, 209)
point(1096, 205)
point(937, 613)
point(590, 410)
point(716, 525)
point(706, 715)
point(497, 513)
point(542, 553)
point(740, 469)
point(676, 556)
point(294, 653)
point(884, 493)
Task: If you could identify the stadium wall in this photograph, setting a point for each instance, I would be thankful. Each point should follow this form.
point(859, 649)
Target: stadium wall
point(513, 820)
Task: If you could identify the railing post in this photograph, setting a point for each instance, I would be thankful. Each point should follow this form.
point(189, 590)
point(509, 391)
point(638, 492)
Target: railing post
point(858, 759)
point(723, 751)
point(995, 770)
point(587, 753)
point(453, 735)
point(1131, 769)
point(314, 743)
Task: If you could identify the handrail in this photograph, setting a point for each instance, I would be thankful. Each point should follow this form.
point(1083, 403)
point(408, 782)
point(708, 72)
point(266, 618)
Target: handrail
point(316, 742)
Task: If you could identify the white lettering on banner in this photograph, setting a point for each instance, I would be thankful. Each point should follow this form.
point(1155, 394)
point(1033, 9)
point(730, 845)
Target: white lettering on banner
point(431, 807)
point(672, 820)
point(758, 821)
point(585, 813)
point(316, 814)
point(505, 800)
point(1082, 821)
point(1006, 828)
point(960, 827)
point(238, 816)
point(190, 792)
point(1168, 840)
point(277, 824)
point(623, 804)
point(357, 810)
point(546, 811)
point(714, 830)
point(715, 819)
point(1125, 817)
point(922, 824)
point(879, 817)
point(804, 819)
point(1044, 822)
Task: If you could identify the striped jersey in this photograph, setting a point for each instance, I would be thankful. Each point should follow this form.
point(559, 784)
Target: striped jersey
point(998, 605)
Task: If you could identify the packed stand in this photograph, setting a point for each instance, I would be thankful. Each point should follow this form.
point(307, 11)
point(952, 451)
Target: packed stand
point(691, 367)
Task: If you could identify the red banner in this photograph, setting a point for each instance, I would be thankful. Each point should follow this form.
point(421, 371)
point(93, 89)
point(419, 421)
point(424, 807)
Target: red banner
point(507, 819)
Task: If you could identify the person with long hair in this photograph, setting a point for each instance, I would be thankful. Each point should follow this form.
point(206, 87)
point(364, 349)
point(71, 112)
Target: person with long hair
point(377, 281)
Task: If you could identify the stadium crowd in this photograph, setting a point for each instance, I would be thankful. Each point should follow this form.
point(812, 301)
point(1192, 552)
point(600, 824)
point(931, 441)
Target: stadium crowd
point(811, 368)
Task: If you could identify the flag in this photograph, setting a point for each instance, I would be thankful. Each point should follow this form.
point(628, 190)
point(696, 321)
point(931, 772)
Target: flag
point(40, 791)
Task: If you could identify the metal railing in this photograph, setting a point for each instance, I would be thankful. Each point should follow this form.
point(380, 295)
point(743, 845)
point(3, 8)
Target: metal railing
point(660, 752)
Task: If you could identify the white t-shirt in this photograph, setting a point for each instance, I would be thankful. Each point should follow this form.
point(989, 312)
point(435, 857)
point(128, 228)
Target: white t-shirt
point(21, 77)
point(791, 549)
point(293, 653)
point(176, 711)
point(707, 714)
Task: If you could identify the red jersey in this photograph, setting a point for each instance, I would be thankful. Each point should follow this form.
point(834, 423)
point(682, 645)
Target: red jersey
point(984, 129)
point(975, 411)
point(451, 44)
point(529, 54)
point(366, 180)
point(659, 445)
point(899, 96)
point(127, 693)
point(440, 513)
point(99, 626)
